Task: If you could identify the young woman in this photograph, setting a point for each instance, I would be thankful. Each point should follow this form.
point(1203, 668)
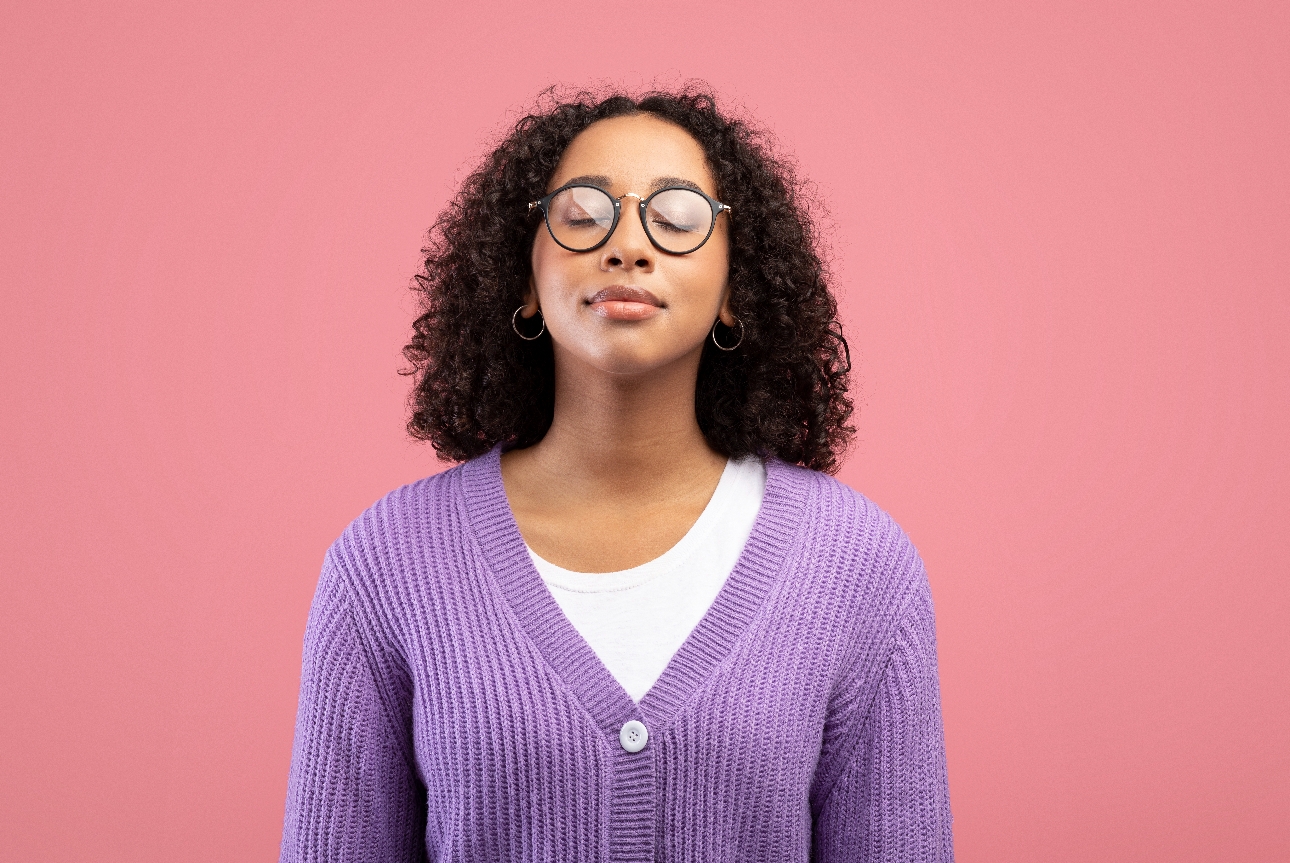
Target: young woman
point(640, 621)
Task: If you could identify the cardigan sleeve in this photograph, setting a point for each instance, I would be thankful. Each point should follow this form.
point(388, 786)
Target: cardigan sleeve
point(353, 794)
point(891, 802)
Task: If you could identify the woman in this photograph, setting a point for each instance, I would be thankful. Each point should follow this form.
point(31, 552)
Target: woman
point(640, 621)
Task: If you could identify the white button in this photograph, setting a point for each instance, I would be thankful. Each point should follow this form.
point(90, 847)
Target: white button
point(633, 736)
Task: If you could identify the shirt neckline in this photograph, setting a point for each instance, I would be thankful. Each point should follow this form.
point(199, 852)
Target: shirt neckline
point(736, 605)
point(625, 579)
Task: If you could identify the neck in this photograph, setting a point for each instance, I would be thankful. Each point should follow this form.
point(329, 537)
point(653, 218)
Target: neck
point(625, 436)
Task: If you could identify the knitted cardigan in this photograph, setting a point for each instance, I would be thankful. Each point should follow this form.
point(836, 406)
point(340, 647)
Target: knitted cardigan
point(449, 711)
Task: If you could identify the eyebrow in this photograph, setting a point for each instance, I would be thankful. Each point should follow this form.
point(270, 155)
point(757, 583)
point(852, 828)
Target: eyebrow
point(588, 179)
point(664, 182)
point(658, 183)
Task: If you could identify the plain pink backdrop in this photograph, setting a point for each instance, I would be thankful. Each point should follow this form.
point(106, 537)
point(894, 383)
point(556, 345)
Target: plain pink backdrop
point(1061, 235)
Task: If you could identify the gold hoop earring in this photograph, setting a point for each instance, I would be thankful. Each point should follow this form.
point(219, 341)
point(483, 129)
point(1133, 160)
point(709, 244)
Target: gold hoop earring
point(740, 340)
point(515, 314)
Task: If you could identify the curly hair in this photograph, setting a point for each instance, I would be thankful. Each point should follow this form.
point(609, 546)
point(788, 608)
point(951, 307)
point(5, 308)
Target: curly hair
point(783, 393)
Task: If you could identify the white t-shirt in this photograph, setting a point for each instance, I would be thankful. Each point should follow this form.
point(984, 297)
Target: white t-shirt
point(636, 619)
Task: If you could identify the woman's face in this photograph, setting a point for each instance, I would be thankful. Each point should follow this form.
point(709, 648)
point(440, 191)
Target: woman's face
point(627, 308)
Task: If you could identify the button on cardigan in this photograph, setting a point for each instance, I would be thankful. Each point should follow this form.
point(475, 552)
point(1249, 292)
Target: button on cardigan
point(450, 712)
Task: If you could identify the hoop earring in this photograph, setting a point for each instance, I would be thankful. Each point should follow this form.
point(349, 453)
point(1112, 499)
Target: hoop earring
point(515, 314)
point(737, 343)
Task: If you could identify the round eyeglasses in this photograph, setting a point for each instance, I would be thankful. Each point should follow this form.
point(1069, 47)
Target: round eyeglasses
point(582, 217)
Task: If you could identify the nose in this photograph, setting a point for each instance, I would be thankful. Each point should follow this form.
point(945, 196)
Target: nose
point(629, 246)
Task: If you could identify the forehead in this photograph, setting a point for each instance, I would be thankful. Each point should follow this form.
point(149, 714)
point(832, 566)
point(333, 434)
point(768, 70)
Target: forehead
point(632, 152)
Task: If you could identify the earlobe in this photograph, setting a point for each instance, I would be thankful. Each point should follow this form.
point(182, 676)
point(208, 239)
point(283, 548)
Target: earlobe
point(725, 315)
point(530, 307)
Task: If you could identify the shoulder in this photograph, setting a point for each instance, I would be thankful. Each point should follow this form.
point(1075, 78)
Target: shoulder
point(398, 517)
point(407, 540)
point(390, 562)
point(851, 550)
point(842, 521)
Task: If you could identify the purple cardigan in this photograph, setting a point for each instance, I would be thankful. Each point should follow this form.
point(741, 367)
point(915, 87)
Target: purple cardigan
point(449, 711)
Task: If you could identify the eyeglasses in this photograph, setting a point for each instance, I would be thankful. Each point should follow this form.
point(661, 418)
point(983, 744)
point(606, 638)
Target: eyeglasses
point(582, 217)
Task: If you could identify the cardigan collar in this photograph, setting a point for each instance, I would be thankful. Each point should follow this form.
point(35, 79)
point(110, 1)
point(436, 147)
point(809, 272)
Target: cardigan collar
point(712, 639)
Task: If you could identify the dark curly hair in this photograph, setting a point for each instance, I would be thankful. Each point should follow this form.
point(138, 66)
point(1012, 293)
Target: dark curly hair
point(783, 393)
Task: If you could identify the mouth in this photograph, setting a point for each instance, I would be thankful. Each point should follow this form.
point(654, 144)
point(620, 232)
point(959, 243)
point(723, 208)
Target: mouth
point(625, 303)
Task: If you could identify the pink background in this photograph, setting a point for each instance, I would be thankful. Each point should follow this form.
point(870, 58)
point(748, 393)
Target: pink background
point(1061, 235)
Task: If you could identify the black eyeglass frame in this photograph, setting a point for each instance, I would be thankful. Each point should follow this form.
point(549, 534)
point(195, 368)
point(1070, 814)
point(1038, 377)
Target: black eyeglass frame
point(717, 209)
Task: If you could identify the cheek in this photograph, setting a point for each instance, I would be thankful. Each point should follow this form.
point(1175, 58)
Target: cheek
point(552, 266)
point(539, 256)
point(714, 272)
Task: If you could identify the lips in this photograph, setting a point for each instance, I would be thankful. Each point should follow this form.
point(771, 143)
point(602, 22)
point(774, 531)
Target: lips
point(625, 294)
point(625, 303)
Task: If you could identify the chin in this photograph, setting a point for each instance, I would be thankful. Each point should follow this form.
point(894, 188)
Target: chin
point(628, 351)
point(630, 360)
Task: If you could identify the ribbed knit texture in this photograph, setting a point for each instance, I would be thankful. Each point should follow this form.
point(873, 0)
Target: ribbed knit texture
point(449, 711)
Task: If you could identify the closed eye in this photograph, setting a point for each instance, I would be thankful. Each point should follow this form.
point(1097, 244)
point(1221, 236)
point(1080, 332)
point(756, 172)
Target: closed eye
point(672, 227)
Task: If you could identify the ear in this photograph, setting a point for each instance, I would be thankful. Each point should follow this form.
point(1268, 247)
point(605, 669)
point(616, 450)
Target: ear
point(727, 317)
point(530, 299)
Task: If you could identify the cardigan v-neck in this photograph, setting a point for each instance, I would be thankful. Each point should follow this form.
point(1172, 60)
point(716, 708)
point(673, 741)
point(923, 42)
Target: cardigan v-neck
point(449, 711)
point(570, 655)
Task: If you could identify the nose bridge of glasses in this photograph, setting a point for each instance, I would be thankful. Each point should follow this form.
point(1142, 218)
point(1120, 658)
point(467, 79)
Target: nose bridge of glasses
point(641, 221)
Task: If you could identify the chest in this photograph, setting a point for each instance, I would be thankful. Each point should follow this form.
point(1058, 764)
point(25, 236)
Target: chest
point(510, 749)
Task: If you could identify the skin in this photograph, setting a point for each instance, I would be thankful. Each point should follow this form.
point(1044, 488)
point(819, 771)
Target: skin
point(624, 471)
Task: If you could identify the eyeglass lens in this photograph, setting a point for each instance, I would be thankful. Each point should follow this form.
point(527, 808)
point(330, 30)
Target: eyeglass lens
point(678, 220)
